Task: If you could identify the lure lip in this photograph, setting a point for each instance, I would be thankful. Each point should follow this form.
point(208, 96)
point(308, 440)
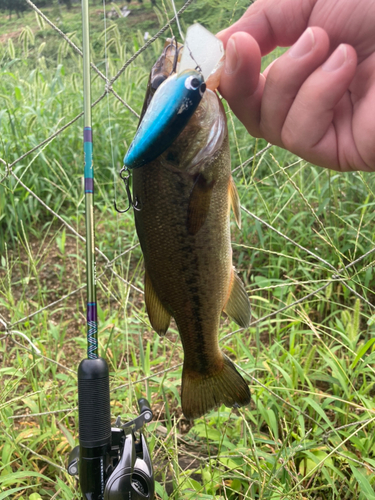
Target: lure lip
point(170, 110)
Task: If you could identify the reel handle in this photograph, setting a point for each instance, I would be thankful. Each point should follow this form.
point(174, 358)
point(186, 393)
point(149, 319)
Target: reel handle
point(143, 405)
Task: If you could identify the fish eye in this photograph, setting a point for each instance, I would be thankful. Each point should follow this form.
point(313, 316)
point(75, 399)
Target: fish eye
point(202, 89)
point(157, 81)
point(192, 83)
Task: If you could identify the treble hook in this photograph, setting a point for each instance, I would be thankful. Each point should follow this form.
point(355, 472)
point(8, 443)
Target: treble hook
point(124, 175)
point(176, 53)
point(173, 44)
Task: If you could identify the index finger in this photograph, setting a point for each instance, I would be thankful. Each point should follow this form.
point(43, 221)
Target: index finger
point(272, 23)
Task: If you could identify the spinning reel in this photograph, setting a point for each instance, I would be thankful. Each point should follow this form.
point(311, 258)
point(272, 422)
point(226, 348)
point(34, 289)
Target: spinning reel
point(112, 463)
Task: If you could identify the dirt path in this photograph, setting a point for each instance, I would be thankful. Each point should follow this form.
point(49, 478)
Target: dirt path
point(12, 34)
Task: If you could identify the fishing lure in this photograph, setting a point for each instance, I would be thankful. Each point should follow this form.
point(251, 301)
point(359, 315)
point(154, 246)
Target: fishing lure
point(174, 103)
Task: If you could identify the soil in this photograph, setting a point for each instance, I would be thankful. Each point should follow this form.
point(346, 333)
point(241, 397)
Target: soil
point(13, 34)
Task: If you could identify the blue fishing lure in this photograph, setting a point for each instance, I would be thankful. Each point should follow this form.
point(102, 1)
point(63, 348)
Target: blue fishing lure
point(172, 106)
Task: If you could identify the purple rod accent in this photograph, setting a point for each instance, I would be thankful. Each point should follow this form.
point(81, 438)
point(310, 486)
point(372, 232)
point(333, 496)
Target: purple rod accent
point(91, 313)
point(87, 135)
point(89, 184)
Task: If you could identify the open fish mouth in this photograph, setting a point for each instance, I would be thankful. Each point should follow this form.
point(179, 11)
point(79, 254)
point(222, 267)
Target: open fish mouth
point(175, 91)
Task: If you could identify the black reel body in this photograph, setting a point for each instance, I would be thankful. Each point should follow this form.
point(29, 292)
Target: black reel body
point(112, 463)
point(132, 477)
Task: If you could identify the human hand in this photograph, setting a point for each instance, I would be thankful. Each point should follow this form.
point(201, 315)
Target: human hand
point(318, 99)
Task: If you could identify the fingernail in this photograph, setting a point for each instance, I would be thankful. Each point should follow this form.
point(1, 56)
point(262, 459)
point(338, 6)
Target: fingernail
point(336, 60)
point(231, 58)
point(303, 45)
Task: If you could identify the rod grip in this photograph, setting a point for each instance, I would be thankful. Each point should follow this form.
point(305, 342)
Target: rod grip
point(94, 409)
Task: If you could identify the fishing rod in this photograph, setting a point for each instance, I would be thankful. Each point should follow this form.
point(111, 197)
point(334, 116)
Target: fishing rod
point(112, 463)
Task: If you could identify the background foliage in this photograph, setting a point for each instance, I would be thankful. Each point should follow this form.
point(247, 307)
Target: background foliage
point(309, 431)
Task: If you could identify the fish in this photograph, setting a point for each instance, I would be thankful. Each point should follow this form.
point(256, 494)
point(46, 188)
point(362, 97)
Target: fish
point(185, 194)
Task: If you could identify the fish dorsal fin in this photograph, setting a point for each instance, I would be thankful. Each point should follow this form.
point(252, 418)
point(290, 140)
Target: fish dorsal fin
point(199, 203)
point(238, 303)
point(235, 202)
point(159, 317)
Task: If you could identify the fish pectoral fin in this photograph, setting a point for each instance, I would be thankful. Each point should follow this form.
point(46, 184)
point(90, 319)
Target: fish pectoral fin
point(158, 315)
point(199, 203)
point(238, 303)
point(235, 202)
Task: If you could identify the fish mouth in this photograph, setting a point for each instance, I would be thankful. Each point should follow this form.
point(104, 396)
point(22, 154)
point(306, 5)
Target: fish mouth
point(175, 100)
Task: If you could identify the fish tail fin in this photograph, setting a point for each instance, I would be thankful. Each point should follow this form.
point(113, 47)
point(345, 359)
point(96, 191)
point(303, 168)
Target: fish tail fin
point(201, 391)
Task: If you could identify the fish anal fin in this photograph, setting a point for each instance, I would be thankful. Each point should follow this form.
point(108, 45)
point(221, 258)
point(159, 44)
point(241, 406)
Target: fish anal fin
point(238, 303)
point(203, 392)
point(199, 203)
point(235, 201)
point(159, 317)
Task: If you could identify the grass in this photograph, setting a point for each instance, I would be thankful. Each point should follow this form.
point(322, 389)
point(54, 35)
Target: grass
point(309, 431)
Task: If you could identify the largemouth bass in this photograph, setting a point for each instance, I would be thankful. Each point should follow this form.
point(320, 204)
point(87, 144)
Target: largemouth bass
point(185, 196)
